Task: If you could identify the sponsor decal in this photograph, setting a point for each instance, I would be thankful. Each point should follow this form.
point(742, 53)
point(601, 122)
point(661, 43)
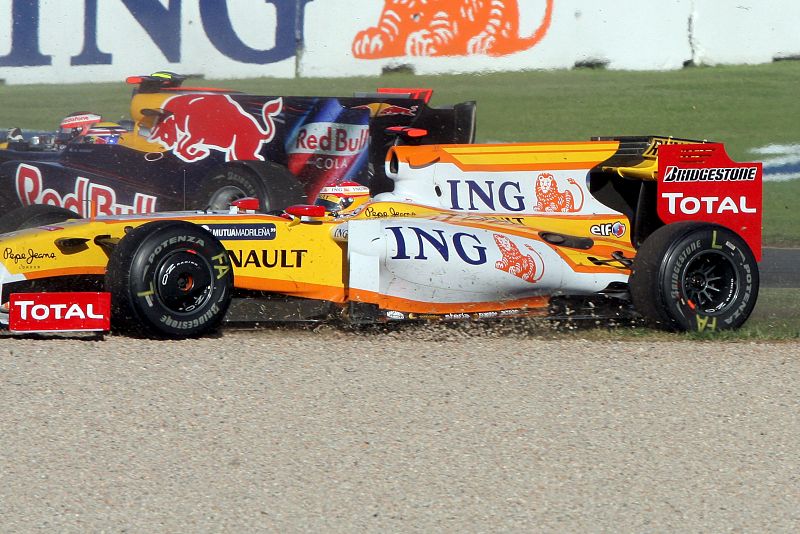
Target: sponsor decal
point(448, 28)
point(527, 267)
point(85, 197)
point(193, 125)
point(81, 119)
point(678, 203)
point(267, 258)
point(346, 190)
point(26, 257)
point(167, 28)
point(379, 213)
point(616, 229)
point(331, 138)
point(677, 174)
point(456, 316)
point(263, 231)
point(467, 247)
point(194, 323)
point(699, 182)
point(340, 232)
point(395, 315)
point(382, 109)
point(54, 312)
point(550, 199)
point(486, 195)
point(491, 195)
point(329, 146)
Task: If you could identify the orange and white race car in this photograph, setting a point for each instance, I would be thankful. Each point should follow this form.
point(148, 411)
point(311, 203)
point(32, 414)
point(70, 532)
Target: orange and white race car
point(469, 231)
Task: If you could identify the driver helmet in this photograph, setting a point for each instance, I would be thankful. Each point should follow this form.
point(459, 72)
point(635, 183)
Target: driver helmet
point(14, 135)
point(76, 125)
point(345, 196)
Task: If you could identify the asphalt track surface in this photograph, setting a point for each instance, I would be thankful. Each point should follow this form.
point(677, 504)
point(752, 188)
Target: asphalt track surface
point(780, 267)
point(443, 428)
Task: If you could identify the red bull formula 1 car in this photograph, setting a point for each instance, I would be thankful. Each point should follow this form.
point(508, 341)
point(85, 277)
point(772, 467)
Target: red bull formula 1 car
point(198, 148)
point(468, 231)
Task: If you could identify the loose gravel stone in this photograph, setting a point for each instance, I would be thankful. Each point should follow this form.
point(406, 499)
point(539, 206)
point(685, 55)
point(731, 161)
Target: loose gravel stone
point(424, 428)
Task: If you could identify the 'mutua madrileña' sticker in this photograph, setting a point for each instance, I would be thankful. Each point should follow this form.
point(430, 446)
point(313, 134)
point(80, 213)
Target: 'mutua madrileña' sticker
point(222, 232)
point(781, 162)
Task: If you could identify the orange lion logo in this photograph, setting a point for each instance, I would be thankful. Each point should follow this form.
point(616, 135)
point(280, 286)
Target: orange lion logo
point(513, 262)
point(549, 198)
point(447, 28)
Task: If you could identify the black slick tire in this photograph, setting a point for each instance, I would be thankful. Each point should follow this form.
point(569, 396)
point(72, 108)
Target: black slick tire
point(693, 276)
point(169, 279)
point(273, 185)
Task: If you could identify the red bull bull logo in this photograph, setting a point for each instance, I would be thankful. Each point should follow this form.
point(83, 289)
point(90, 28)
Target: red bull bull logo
point(382, 109)
point(193, 125)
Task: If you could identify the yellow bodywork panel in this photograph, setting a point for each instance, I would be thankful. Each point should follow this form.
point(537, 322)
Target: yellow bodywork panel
point(301, 259)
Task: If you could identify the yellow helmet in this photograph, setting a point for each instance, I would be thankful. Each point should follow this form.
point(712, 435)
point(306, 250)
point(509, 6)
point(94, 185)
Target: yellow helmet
point(345, 196)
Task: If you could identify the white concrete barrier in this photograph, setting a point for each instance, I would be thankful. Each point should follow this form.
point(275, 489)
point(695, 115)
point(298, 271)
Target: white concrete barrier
point(57, 41)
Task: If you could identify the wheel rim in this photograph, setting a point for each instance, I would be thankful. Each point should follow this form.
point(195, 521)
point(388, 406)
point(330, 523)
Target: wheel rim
point(222, 198)
point(710, 282)
point(184, 281)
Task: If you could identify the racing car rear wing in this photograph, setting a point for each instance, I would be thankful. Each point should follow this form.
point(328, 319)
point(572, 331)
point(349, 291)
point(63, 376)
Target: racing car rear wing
point(395, 92)
point(694, 181)
point(637, 157)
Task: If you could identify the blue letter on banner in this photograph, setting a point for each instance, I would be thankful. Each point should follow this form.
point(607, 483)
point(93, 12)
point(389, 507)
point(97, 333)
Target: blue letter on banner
point(162, 24)
point(25, 36)
point(288, 31)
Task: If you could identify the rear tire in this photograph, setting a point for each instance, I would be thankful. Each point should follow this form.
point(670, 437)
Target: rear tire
point(694, 276)
point(169, 279)
point(33, 216)
point(274, 187)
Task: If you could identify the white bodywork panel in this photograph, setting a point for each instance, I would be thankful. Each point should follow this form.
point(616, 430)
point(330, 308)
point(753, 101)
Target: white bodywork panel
point(427, 260)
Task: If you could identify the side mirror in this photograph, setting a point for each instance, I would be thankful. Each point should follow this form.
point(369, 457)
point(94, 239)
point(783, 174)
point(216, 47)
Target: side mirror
point(246, 204)
point(306, 210)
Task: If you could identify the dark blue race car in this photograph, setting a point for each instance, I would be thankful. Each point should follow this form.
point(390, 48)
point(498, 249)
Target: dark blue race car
point(195, 148)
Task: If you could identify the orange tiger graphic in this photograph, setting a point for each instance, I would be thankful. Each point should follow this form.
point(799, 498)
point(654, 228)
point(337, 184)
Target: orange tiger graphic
point(447, 28)
point(513, 262)
point(549, 198)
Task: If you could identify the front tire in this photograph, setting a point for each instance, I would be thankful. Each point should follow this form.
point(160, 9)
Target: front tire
point(169, 279)
point(694, 276)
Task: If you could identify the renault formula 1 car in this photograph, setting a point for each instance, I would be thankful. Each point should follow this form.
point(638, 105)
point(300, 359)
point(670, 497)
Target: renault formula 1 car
point(469, 231)
point(194, 148)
